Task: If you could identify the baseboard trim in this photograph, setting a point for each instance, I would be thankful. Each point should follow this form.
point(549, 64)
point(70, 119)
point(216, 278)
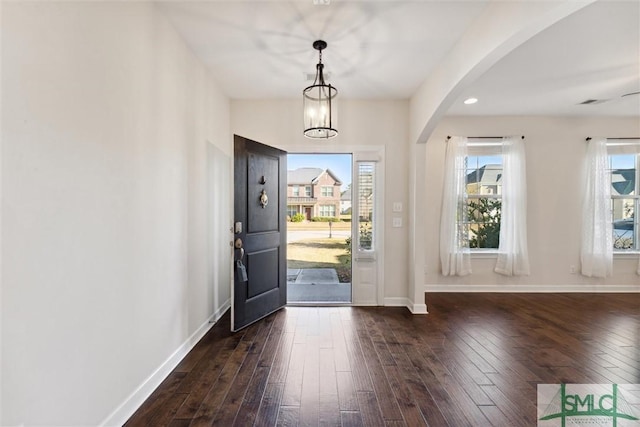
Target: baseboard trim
point(406, 302)
point(397, 302)
point(123, 412)
point(583, 288)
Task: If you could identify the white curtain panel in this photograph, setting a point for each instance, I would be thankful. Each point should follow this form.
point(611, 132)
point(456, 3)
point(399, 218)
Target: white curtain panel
point(596, 253)
point(513, 255)
point(454, 238)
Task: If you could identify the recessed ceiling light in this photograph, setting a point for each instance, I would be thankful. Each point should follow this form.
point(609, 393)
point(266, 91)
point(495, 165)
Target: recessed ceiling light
point(470, 101)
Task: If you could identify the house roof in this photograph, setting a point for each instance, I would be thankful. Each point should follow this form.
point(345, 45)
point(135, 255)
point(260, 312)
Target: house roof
point(623, 181)
point(309, 176)
point(303, 175)
point(488, 174)
point(346, 195)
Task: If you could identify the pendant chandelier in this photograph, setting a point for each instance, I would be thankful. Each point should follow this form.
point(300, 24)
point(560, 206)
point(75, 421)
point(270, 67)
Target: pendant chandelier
point(318, 102)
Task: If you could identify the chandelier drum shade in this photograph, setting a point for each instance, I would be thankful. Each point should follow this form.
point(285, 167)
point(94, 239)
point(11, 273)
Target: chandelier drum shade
point(318, 102)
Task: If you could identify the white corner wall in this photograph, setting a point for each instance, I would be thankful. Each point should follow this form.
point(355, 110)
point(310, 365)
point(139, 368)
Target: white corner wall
point(361, 123)
point(111, 134)
point(555, 150)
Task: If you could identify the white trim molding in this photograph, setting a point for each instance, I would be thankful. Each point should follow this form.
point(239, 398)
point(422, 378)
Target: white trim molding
point(576, 288)
point(131, 404)
point(406, 302)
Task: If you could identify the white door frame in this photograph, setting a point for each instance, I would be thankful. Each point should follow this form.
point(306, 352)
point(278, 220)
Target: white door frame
point(367, 270)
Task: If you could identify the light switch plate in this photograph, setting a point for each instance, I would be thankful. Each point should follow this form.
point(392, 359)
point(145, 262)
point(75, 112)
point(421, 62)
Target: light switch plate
point(397, 222)
point(397, 206)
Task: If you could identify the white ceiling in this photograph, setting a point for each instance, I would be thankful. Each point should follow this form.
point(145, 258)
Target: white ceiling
point(381, 49)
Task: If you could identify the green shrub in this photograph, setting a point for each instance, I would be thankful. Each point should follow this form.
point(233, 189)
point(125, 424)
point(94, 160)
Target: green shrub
point(325, 219)
point(297, 217)
point(365, 238)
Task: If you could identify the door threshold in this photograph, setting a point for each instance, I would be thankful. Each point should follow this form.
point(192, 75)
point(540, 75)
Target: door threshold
point(318, 304)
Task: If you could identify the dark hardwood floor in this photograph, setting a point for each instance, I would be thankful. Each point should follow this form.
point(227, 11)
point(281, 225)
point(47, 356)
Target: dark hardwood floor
point(475, 360)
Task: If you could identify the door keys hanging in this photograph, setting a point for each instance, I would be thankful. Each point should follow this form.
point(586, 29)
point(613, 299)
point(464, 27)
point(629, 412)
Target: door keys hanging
point(240, 268)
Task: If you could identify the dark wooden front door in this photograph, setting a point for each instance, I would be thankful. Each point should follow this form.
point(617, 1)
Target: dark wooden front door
point(260, 206)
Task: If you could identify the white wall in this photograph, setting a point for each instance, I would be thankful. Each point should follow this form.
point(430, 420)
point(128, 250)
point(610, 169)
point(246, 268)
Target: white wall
point(105, 232)
point(360, 124)
point(555, 150)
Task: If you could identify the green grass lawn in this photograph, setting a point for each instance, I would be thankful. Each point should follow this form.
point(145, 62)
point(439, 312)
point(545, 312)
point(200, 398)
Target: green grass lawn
point(309, 225)
point(321, 253)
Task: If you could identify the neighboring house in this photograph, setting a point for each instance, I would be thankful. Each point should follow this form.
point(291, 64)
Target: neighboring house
point(313, 192)
point(485, 180)
point(345, 201)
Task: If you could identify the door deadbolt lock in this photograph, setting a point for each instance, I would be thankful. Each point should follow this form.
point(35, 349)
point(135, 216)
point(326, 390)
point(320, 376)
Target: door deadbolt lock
point(238, 243)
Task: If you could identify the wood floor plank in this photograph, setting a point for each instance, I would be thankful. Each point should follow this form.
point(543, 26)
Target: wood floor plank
point(474, 360)
point(288, 416)
point(438, 405)
point(310, 390)
point(329, 414)
point(410, 409)
point(236, 394)
point(340, 353)
point(292, 394)
point(161, 402)
point(211, 403)
point(361, 377)
point(384, 393)
point(351, 419)
point(348, 400)
point(370, 409)
point(270, 351)
point(269, 406)
point(213, 400)
point(200, 381)
point(248, 411)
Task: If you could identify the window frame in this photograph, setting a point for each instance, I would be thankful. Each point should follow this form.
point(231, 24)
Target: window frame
point(326, 189)
point(322, 208)
point(482, 149)
point(620, 252)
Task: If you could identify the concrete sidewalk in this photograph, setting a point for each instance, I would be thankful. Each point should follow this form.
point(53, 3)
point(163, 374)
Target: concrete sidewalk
point(316, 285)
point(312, 275)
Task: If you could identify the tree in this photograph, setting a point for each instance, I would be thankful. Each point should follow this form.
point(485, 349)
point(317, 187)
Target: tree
point(484, 215)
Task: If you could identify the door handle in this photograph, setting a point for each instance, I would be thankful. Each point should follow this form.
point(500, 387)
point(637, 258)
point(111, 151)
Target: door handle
point(238, 245)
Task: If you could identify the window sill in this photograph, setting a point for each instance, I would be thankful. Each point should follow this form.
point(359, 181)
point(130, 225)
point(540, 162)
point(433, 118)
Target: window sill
point(484, 254)
point(626, 255)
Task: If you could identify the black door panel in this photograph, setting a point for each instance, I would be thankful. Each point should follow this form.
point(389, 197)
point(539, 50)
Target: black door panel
point(260, 199)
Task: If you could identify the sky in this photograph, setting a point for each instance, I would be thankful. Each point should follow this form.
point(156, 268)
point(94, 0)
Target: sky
point(622, 161)
point(340, 164)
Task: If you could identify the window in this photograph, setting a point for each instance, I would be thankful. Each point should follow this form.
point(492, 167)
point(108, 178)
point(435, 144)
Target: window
point(365, 205)
point(483, 187)
point(291, 210)
point(327, 191)
point(307, 191)
point(295, 192)
point(625, 199)
point(327, 210)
